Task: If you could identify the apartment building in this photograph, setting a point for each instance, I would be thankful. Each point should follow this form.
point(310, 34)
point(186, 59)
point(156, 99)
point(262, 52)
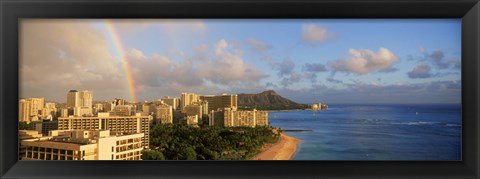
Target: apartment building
point(128, 124)
point(232, 118)
point(84, 145)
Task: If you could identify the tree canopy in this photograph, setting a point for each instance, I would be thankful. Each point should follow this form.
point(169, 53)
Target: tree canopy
point(182, 142)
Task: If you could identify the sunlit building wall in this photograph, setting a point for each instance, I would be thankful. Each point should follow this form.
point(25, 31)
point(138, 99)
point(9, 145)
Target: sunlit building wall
point(220, 102)
point(171, 101)
point(232, 118)
point(193, 109)
point(30, 109)
point(81, 102)
point(127, 124)
point(187, 99)
point(164, 114)
point(84, 145)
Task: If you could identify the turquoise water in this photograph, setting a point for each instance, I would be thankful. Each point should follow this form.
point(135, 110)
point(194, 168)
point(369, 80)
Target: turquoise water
point(375, 132)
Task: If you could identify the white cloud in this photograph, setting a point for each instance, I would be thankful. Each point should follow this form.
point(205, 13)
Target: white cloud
point(219, 46)
point(58, 55)
point(365, 61)
point(217, 71)
point(228, 67)
point(135, 54)
point(314, 34)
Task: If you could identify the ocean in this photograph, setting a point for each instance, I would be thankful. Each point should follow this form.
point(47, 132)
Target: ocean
point(375, 132)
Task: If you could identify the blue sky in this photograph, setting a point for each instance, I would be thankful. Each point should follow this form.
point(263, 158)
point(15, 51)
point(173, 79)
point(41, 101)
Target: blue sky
point(306, 60)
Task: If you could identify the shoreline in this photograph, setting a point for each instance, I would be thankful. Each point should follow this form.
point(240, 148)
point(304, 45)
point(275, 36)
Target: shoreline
point(286, 110)
point(284, 149)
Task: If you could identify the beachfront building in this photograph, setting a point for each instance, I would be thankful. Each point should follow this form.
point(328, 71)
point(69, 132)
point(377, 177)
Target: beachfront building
point(226, 101)
point(319, 106)
point(84, 145)
point(232, 118)
point(220, 102)
point(104, 121)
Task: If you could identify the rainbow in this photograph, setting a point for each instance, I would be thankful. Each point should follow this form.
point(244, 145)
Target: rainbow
point(121, 51)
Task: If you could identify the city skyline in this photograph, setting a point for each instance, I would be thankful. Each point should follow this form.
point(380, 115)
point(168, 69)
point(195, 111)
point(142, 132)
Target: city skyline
point(333, 61)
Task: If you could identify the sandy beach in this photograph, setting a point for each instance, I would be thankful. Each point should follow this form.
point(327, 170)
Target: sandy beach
point(282, 150)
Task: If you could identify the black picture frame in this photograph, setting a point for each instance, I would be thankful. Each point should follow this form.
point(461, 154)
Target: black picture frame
point(467, 10)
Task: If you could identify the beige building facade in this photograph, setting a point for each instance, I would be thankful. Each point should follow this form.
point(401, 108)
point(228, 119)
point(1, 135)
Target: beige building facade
point(171, 101)
point(30, 109)
point(219, 102)
point(81, 102)
point(122, 110)
point(194, 109)
point(127, 124)
point(192, 120)
point(232, 118)
point(188, 99)
point(49, 110)
point(63, 112)
point(164, 113)
point(23, 135)
point(84, 145)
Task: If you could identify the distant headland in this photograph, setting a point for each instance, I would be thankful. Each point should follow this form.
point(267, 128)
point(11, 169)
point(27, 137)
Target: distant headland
point(272, 101)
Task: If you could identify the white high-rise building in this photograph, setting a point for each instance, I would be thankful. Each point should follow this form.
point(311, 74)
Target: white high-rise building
point(23, 111)
point(83, 144)
point(86, 99)
point(49, 110)
point(30, 108)
point(221, 101)
point(80, 101)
